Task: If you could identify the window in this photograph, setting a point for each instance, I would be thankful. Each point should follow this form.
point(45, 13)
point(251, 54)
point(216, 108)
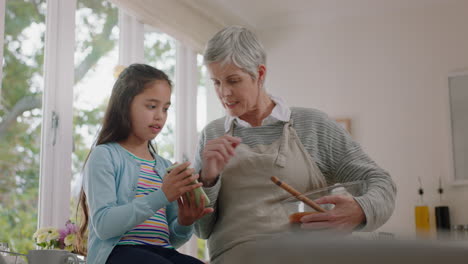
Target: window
point(202, 94)
point(97, 49)
point(160, 52)
point(208, 106)
point(96, 58)
point(208, 109)
point(20, 121)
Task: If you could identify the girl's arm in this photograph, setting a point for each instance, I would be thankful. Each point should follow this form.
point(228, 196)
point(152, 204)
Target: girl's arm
point(108, 217)
point(178, 234)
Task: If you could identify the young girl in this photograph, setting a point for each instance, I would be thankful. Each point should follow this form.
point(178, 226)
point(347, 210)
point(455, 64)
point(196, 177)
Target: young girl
point(135, 211)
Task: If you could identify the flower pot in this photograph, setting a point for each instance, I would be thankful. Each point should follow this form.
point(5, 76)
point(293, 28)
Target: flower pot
point(52, 256)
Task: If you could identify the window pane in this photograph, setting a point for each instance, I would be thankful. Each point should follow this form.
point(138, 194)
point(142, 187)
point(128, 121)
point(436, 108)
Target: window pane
point(208, 109)
point(208, 106)
point(20, 121)
point(160, 52)
point(96, 57)
point(202, 107)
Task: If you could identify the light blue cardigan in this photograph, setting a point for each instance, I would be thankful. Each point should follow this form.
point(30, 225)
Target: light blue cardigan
point(110, 182)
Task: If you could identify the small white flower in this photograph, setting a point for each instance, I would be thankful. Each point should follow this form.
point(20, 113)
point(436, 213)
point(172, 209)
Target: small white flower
point(70, 240)
point(43, 230)
point(53, 235)
point(42, 237)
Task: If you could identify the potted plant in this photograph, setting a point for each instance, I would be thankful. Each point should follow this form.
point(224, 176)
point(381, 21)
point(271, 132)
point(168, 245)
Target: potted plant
point(56, 244)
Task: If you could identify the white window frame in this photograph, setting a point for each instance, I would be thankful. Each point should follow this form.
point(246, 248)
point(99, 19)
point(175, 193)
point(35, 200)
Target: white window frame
point(131, 50)
point(131, 39)
point(57, 128)
point(57, 112)
point(186, 75)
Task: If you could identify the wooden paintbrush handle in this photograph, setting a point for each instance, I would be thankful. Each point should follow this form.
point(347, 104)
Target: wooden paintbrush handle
point(297, 194)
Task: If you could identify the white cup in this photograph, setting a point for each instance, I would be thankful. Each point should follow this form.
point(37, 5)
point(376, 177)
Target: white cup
point(52, 256)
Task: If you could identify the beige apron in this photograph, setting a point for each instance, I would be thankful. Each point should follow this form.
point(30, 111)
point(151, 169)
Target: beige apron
point(248, 204)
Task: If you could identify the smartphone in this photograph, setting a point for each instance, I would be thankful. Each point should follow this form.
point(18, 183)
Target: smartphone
point(198, 191)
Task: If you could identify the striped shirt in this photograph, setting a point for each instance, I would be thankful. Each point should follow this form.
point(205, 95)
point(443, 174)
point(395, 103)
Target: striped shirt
point(153, 231)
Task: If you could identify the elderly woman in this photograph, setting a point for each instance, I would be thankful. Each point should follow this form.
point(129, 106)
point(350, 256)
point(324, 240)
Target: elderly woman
point(262, 137)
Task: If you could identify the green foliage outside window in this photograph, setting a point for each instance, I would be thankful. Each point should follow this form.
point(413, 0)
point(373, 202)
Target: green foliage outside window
point(20, 106)
point(20, 121)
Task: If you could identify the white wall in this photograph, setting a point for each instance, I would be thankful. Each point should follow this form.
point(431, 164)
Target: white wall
point(388, 73)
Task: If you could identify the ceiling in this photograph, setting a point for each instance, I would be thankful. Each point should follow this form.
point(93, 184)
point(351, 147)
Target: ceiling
point(262, 14)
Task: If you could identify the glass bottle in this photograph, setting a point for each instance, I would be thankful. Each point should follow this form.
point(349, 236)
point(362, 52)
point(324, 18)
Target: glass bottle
point(442, 215)
point(465, 232)
point(457, 232)
point(421, 216)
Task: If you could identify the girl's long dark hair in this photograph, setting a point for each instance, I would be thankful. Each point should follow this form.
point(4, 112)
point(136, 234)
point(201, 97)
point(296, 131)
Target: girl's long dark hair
point(116, 125)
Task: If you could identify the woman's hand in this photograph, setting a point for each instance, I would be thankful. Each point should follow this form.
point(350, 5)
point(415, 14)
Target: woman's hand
point(345, 216)
point(215, 156)
point(178, 182)
point(189, 212)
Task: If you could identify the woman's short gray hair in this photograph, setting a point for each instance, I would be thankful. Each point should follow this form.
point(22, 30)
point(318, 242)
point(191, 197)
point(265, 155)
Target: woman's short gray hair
point(238, 45)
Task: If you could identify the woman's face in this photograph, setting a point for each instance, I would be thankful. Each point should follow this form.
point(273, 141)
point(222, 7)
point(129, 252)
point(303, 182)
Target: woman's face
point(236, 89)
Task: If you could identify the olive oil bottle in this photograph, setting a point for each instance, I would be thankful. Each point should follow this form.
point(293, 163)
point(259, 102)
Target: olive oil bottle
point(421, 216)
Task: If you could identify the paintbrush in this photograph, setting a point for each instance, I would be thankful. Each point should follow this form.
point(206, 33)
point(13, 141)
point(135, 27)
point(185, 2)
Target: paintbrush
point(297, 194)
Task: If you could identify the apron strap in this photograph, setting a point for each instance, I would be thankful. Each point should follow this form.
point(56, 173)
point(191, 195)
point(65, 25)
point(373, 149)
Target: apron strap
point(231, 128)
point(281, 158)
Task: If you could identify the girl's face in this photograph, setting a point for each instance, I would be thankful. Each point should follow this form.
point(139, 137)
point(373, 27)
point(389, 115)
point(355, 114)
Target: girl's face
point(148, 111)
point(236, 89)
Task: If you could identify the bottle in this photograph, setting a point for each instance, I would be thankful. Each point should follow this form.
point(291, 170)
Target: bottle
point(457, 232)
point(465, 232)
point(442, 214)
point(421, 216)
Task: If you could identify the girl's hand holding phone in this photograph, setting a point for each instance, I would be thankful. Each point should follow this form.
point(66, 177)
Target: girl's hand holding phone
point(189, 211)
point(177, 182)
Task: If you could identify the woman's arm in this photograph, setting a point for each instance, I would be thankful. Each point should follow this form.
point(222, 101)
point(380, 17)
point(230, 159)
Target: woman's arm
point(204, 226)
point(378, 202)
point(341, 159)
